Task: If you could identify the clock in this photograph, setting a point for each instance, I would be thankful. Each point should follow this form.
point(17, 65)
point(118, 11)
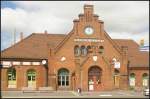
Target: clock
point(88, 30)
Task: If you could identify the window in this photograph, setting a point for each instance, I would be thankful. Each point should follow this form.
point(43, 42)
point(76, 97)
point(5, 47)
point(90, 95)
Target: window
point(132, 80)
point(11, 74)
point(83, 51)
point(145, 80)
point(89, 49)
point(31, 76)
point(63, 77)
point(101, 49)
point(77, 50)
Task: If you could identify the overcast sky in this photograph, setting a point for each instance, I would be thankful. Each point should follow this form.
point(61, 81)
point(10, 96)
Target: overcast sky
point(122, 19)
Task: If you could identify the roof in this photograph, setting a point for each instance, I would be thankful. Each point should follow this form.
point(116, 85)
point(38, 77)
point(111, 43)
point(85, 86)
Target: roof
point(136, 57)
point(36, 46)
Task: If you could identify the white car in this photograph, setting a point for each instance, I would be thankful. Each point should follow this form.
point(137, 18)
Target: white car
point(146, 92)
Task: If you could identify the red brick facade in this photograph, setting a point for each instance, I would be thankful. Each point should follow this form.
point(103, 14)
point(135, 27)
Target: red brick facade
point(79, 70)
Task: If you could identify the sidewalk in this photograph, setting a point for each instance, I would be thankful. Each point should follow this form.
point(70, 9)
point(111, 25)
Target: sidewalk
point(72, 94)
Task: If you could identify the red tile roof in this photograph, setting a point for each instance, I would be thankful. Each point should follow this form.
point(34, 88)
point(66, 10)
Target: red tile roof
point(36, 46)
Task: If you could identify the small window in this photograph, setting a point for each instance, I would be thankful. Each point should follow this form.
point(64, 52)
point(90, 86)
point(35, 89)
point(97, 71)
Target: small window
point(83, 51)
point(101, 49)
point(77, 51)
point(89, 49)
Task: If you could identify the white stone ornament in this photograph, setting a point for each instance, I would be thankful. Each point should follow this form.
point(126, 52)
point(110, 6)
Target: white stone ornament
point(117, 65)
point(63, 59)
point(43, 62)
point(94, 58)
point(114, 59)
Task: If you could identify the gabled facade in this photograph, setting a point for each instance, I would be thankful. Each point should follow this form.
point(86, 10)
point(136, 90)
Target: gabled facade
point(86, 58)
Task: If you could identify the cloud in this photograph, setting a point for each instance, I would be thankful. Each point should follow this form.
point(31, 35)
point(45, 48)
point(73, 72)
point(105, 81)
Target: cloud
point(128, 18)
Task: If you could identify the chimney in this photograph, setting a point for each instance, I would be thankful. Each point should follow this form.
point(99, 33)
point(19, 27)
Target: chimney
point(88, 9)
point(88, 12)
point(45, 32)
point(21, 36)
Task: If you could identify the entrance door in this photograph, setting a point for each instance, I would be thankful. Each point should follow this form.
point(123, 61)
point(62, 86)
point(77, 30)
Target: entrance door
point(94, 77)
point(116, 78)
point(31, 78)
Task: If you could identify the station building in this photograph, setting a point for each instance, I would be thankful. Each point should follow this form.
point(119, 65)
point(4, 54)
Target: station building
point(86, 57)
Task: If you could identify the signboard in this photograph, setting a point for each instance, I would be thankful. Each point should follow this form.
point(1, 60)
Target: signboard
point(91, 87)
point(117, 65)
point(88, 40)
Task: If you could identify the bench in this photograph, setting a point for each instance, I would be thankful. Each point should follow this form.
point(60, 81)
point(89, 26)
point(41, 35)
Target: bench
point(45, 89)
point(28, 89)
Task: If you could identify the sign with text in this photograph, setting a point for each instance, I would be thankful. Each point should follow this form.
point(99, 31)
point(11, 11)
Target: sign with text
point(88, 40)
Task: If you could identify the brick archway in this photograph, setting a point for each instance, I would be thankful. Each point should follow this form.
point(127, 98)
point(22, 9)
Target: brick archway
point(94, 78)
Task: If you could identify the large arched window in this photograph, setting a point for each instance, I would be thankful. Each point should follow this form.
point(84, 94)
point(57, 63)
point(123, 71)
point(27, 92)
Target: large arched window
point(145, 80)
point(11, 74)
point(132, 80)
point(31, 75)
point(77, 51)
point(83, 51)
point(63, 77)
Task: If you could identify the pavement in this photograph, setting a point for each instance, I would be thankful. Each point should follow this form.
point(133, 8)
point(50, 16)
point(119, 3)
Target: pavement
point(73, 94)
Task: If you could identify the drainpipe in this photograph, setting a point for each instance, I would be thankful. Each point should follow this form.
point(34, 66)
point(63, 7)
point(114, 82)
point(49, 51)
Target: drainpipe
point(45, 64)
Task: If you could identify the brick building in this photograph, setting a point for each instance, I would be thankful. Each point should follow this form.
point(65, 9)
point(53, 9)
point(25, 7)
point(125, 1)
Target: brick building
point(86, 58)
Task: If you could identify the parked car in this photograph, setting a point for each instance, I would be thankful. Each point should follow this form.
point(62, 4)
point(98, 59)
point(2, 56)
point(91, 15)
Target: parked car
point(146, 91)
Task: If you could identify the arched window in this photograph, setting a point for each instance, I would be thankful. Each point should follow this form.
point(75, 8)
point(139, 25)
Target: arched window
point(31, 75)
point(132, 80)
point(63, 77)
point(89, 49)
point(101, 49)
point(83, 51)
point(145, 80)
point(11, 74)
point(77, 51)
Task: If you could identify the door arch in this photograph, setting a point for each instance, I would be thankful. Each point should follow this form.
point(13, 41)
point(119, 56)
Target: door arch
point(31, 78)
point(94, 77)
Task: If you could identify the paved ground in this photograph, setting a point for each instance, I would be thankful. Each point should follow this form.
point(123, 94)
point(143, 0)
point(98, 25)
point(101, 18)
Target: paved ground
point(73, 94)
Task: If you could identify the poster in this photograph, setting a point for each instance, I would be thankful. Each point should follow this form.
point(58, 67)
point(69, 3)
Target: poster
point(91, 87)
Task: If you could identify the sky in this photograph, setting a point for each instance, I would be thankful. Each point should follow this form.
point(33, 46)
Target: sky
point(122, 19)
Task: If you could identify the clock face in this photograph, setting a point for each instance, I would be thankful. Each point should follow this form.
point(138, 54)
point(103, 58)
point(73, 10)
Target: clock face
point(88, 30)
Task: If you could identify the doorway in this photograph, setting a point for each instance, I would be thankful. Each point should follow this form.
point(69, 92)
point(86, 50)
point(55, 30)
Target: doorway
point(94, 78)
